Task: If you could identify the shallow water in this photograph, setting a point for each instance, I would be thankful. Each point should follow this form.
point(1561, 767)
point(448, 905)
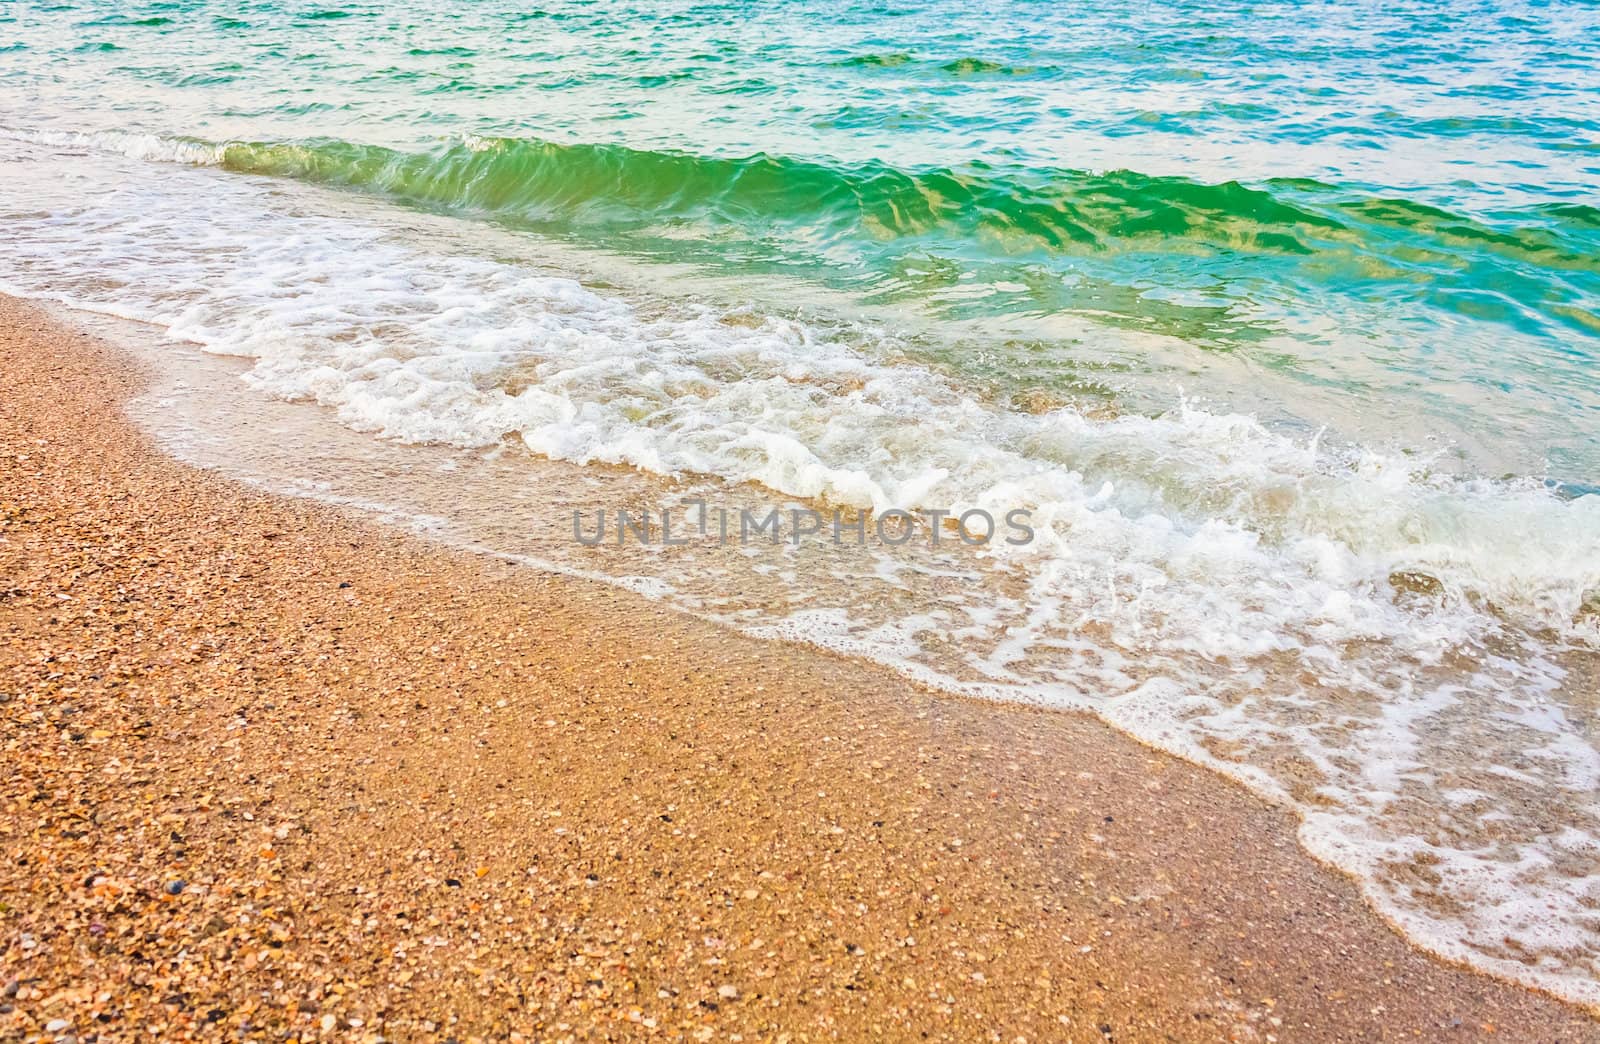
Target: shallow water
point(1280, 324)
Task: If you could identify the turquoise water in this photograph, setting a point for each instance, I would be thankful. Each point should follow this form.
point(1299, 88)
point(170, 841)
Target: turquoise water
point(1282, 319)
point(1389, 202)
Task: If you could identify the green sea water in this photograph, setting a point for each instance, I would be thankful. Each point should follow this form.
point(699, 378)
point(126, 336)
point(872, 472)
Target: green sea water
point(1385, 205)
point(1282, 319)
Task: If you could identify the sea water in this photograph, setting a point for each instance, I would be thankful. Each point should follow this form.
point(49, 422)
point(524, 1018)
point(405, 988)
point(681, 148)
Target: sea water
point(1281, 321)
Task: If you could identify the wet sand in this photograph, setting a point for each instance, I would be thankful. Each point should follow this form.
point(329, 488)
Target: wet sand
point(274, 772)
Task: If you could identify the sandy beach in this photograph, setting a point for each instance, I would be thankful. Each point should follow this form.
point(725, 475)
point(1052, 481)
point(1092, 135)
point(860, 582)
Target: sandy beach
point(273, 772)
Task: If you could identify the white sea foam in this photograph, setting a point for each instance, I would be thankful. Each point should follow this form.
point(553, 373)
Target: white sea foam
point(1382, 646)
point(132, 144)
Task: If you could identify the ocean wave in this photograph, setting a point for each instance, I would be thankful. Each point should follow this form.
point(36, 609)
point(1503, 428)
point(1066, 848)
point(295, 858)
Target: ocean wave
point(1059, 210)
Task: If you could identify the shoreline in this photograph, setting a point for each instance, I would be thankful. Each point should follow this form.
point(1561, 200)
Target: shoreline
point(273, 765)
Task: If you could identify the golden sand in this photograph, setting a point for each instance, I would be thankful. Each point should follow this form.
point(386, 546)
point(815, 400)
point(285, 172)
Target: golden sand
point(272, 772)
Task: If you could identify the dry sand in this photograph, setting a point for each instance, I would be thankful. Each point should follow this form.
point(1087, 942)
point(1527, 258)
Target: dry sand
point(274, 772)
